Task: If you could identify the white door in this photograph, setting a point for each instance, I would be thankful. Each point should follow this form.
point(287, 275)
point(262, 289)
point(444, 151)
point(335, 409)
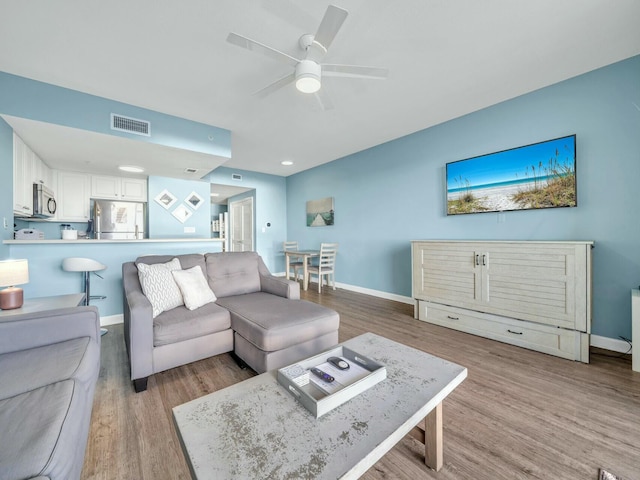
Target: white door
point(241, 228)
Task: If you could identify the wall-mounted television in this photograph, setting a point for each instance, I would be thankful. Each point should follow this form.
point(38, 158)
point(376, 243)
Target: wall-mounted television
point(540, 175)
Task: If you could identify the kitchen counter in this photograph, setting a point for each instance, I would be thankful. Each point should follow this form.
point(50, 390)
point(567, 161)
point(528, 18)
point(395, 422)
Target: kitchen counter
point(101, 241)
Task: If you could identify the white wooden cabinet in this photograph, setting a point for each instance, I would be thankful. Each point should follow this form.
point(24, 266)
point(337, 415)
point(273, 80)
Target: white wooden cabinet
point(23, 161)
point(73, 196)
point(22, 202)
point(533, 294)
point(118, 188)
point(28, 169)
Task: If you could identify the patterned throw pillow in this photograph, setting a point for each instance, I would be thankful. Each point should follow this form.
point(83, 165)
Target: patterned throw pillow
point(194, 287)
point(159, 286)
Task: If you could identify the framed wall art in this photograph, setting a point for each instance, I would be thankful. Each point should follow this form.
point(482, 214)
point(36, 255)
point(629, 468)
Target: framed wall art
point(166, 199)
point(320, 213)
point(194, 200)
point(182, 213)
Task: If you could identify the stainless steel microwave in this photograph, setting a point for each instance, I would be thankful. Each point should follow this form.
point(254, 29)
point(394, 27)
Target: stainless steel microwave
point(44, 202)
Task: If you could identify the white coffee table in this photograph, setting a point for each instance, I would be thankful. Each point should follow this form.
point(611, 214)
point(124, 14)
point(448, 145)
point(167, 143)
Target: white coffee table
point(256, 429)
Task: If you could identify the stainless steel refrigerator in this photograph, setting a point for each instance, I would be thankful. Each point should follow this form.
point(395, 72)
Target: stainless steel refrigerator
point(115, 220)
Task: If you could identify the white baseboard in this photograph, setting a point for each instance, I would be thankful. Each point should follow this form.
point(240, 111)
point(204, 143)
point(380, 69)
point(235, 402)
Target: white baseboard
point(613, 344)
point(111, 320)
point(376, 293)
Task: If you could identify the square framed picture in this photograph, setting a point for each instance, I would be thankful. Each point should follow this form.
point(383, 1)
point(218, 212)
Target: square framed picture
point(320, 213)
point(166, 199)
point(194, 200)
point(182, 213)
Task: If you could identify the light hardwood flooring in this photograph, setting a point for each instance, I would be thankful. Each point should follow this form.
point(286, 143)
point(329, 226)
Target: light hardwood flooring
point(518, 415)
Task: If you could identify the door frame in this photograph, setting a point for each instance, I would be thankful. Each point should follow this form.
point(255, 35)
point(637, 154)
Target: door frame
point(232, 205)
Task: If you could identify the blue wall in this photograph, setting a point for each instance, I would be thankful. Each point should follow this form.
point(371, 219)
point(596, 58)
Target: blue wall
point(393, 193)
point(270, 206)
point(162, 223)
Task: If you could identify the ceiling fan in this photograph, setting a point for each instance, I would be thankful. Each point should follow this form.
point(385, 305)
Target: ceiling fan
point(309, 70)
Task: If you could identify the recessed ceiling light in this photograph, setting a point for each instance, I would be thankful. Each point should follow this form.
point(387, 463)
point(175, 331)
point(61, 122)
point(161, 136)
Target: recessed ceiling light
point(131, 168)
point(286, 162)
point(215, 194)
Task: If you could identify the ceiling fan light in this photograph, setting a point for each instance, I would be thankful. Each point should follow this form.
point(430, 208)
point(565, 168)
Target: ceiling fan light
point(308, 83)
point(308, 76)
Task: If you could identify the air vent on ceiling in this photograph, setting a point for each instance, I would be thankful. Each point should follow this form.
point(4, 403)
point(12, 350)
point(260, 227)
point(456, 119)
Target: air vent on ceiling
point(236, 176)
point(190, 170)
point(130, 125)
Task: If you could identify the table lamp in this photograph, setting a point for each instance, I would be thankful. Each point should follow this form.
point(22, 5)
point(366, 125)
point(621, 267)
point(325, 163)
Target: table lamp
point(12, 273)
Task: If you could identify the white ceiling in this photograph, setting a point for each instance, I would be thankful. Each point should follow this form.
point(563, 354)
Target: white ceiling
point(446, 58)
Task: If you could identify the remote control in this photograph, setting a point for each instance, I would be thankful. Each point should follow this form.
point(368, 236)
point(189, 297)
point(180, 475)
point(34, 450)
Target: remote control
point(338, 363)
point(324, 376)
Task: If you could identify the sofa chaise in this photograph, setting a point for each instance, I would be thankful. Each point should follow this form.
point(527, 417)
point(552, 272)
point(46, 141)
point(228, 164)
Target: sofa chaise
point(49, 366)
point(258, 316)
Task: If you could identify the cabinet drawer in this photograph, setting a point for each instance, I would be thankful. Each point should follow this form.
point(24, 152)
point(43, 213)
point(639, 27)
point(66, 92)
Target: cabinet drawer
point(543, 338)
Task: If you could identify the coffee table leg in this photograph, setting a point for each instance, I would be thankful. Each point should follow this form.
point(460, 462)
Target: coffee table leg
point(433, 438)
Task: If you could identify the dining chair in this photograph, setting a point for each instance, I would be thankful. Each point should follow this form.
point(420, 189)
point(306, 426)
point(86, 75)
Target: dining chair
point(326, 265)
point(294, 262)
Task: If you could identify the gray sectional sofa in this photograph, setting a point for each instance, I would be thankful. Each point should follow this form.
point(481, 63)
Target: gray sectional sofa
point(258, 316)
point(49, 366)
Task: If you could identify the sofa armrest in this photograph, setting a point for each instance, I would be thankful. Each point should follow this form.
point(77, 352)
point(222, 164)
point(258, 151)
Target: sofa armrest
point(280, 286)
point(31, 330)
point(138, 323)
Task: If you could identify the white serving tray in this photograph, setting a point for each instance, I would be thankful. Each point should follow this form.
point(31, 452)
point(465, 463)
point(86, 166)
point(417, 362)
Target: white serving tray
point(318, 401)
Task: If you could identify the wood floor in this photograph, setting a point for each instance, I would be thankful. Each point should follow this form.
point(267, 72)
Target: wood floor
point(519, 414)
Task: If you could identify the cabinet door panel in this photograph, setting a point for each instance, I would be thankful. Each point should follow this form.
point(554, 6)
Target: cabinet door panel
point(73, 197)
point(446, 274)
point(134, 189)
point(535, 283)
point(105, 187)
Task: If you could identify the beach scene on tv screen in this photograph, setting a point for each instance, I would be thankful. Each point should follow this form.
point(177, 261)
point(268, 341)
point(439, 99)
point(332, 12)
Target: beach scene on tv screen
point(541, 175)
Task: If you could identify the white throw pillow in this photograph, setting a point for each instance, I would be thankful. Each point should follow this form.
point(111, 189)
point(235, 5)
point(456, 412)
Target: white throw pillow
point(194, 287)
point(159, 286)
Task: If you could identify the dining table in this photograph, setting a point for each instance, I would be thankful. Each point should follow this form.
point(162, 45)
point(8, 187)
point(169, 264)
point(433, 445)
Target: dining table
point(305, 255)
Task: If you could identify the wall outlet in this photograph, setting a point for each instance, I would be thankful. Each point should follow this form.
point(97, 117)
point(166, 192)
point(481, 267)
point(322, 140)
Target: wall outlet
point(189, 229)
point(5, 223)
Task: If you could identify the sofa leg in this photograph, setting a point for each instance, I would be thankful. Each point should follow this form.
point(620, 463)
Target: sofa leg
point(241, 363)
point(140, 384)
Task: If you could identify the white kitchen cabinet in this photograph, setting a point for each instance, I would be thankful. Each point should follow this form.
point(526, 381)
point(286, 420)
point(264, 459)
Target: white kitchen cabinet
point(28, 168)
point(118, 188)
point(533, 294)
point(73, 196)
point(40, 172)
point(22, 178)
point(134, 189)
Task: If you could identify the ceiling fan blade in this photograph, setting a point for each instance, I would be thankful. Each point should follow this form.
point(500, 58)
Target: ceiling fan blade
point(354, 71)
point(329, 27)
point(252, 45)
point(278, 84)
point(324, 99)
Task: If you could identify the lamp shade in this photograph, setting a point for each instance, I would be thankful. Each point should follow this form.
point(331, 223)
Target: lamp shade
point(14, 272)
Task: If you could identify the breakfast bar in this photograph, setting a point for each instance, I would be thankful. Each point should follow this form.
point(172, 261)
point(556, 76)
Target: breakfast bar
point(47, 278)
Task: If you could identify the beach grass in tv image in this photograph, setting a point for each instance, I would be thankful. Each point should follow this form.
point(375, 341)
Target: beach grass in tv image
point(541, 175)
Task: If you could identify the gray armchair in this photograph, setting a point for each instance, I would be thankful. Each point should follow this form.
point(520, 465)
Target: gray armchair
point(49, 366)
